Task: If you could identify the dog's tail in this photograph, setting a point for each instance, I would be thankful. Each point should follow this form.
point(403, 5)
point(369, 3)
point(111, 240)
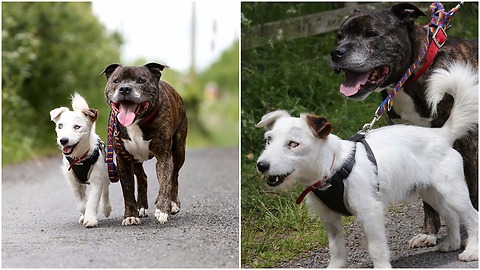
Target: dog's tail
point(79, 103)
point(460, 81)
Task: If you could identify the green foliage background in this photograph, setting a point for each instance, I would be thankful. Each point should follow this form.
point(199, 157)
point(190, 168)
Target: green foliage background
point(52, 49)
point(295, 75)
point(45, 58)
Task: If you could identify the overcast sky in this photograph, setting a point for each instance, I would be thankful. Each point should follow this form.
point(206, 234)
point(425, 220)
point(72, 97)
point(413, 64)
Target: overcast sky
point(161, 30)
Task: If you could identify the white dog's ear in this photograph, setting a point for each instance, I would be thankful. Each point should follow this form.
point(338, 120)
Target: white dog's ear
point(269, 119)
point(91, 114)
point(320, 126)
point(55, 113)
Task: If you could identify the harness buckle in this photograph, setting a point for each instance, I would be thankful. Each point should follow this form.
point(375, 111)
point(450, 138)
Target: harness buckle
point(434, 37)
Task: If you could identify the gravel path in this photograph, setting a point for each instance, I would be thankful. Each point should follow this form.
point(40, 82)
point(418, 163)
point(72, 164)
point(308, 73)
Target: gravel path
point(40, 221)
point(402, 223)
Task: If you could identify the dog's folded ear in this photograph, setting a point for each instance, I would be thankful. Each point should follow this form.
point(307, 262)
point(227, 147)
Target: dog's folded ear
point(407, 13)
point(109, 70)
point(319, 125)
point(91, 114)
point(156, 69)
point(55, 113)
point(269, 119)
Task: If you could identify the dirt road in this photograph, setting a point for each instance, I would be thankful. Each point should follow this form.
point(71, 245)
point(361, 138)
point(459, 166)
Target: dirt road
point(41, 229)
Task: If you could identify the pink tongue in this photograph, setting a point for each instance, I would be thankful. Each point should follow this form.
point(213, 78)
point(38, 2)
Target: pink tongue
point(126, 114)
point(353, 82)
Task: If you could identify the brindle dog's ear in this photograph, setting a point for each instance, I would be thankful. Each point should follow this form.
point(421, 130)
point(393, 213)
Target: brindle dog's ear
point(91, 114)
point(270, 118)
point(319, 125)
point(109, 70)
point(156, 69)
point(407, 13)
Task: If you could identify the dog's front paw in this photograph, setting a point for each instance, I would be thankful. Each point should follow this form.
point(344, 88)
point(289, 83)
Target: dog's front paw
point(142, 212)
point(423, 240)
point(161, 216)
point(175, 208)
point(469, 255)
point(90, 222)
point(130, 221)
point(448, 245)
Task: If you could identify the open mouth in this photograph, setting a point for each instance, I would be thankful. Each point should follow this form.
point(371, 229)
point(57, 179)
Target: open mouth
point(127, 111)
point(276, 180)
point(360, 84)
point(68, 149)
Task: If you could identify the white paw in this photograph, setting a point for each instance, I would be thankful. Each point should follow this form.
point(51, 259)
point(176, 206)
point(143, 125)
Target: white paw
point(161, 216)
point(448, 246)
point(90, 222)
point(469, 255)
point(175, 208)
point(143, 212)
point(107, 209)
point(423, 240)
point(81, 219)
point(131, 221)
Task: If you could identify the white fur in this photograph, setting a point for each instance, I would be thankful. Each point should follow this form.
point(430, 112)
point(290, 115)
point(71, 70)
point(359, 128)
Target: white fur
point(405, 107)
point(161, 216)
point(78, 128)
point(411, 161)
point(136, 146)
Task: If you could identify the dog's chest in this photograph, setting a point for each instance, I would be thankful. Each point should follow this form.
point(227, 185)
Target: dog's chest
point(137, 146)
point(405, 107)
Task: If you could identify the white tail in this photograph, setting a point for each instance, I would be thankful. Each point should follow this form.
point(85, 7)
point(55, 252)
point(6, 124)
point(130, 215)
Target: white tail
point(78, 103)
point(460, 81)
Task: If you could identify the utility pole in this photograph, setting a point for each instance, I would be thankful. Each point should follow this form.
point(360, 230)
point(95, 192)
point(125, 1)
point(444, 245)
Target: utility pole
point(192, 72)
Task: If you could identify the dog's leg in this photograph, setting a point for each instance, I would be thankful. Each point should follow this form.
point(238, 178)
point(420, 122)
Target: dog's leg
point(125, 172)
point(142, 201)
point(107, 207)
point(452, 194)
point(436, 199)
point(370, 214)
point(164, 174)
point(431, 226)
point(90, 220)
point(79, 192)
point(178, 149)
point(332, 223)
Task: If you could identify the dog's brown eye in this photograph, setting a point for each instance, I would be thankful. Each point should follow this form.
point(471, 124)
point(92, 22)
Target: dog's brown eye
point(268, 140)
point(60, 126)
point(76, 127)
point(141, 80)
point(292, 144)
point(116, 80)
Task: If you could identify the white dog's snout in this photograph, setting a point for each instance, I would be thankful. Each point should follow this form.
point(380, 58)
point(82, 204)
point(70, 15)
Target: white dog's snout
point(263, 166)
point(64, 141)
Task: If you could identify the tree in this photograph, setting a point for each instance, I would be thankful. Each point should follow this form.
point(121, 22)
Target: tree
point(49, 51)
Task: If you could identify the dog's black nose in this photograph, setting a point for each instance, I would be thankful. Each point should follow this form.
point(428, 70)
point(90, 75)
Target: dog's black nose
point(263, 166)
point(338, 52)
point(63, 141)
point(125, 90)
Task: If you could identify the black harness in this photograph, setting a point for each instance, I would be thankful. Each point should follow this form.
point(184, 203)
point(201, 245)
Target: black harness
point(83, 168)
point(331, 193)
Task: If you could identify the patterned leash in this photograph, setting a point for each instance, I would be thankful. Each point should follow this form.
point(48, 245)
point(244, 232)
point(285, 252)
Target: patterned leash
point(438, 25)
point(112, 135)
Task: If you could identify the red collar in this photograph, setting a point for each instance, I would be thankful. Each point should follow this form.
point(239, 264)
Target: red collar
point(439, 38)
point(316, 185)
point(78, 159)
point(149, 117)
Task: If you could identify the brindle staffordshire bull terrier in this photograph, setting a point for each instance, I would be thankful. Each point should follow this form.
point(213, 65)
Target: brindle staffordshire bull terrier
point(374, 49)
point(151, 122)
